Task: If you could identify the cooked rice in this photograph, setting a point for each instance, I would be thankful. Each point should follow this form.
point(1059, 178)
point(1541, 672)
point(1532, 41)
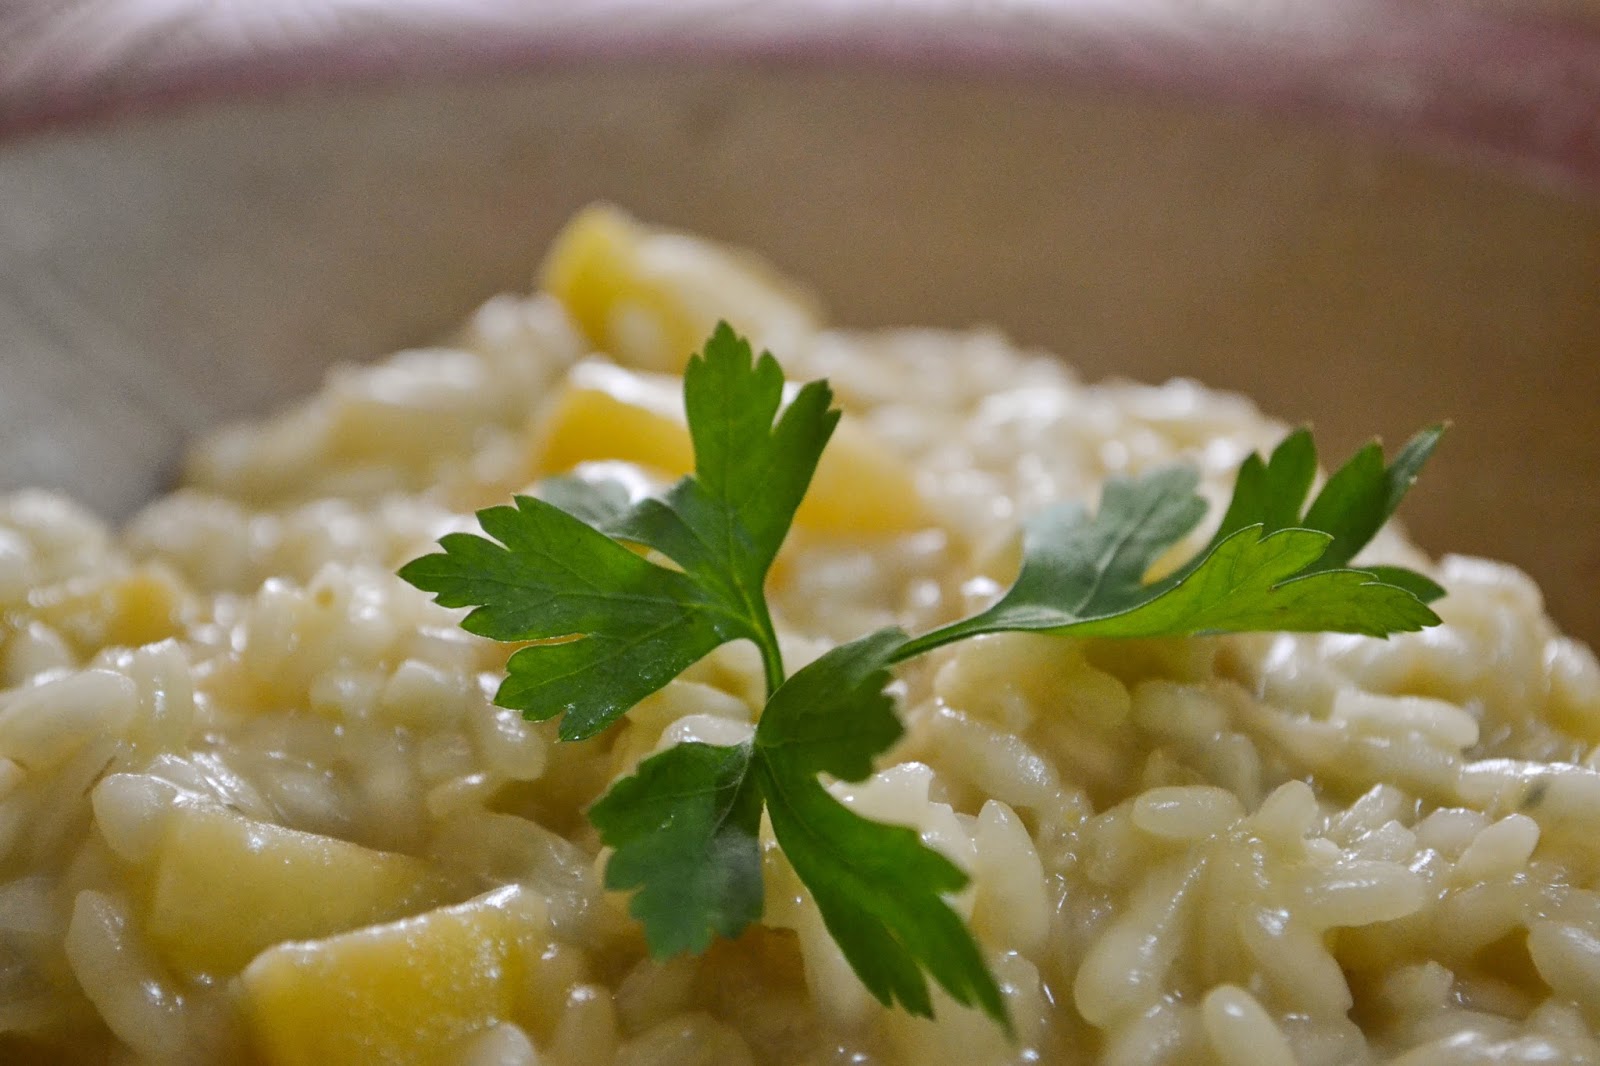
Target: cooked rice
point(1245, 851)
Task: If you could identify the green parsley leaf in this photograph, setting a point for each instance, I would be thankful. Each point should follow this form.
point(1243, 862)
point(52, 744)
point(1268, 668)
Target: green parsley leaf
point(685, 827)
point(552, 578)
point(603, 503)
point(878, 887)
point(1271, 494)
point(833, 716)
point(1362, 495)
point(623, 626)
point(1421, 586)
point(1267, 567)
point(1355, 503)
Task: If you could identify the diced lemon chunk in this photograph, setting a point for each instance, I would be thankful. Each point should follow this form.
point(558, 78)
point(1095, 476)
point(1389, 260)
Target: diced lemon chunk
point(606, 412)
point(227, 886)
point(651, 297)
point(407, 992)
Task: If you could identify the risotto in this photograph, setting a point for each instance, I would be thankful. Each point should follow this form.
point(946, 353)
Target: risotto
point(256, 804)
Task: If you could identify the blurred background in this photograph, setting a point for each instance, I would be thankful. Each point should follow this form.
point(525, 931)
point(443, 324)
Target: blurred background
point(1369, 215)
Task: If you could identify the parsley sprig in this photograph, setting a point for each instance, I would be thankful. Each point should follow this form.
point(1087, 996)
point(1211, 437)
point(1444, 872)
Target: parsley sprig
point(1268, 567)
point(608, 626)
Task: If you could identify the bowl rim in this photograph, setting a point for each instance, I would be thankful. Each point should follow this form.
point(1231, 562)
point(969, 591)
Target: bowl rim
point(1499, 84)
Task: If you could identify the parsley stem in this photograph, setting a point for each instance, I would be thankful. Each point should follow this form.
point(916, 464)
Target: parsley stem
point(771, 655)
point(935, 638)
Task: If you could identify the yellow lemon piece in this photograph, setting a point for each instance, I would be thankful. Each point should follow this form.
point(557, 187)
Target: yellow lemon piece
point(651, 297)
point(227, 886)
point(860, 488)
point(409, 992)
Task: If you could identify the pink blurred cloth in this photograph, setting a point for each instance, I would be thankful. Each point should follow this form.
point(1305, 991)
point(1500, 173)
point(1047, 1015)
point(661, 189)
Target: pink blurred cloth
point(1496, 79)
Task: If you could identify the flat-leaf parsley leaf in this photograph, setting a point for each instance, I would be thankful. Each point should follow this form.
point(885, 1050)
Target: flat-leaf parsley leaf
point(1267, 568)
point(684, 827)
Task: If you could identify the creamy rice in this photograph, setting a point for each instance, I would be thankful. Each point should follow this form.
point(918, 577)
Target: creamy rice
point(231, 726)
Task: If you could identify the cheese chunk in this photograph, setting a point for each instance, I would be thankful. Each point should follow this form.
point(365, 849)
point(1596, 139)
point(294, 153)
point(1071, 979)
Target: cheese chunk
point(413, 991)
point(227, 886)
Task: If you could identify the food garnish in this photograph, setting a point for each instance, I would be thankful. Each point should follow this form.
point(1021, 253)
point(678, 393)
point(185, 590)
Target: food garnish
point(572, 574)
